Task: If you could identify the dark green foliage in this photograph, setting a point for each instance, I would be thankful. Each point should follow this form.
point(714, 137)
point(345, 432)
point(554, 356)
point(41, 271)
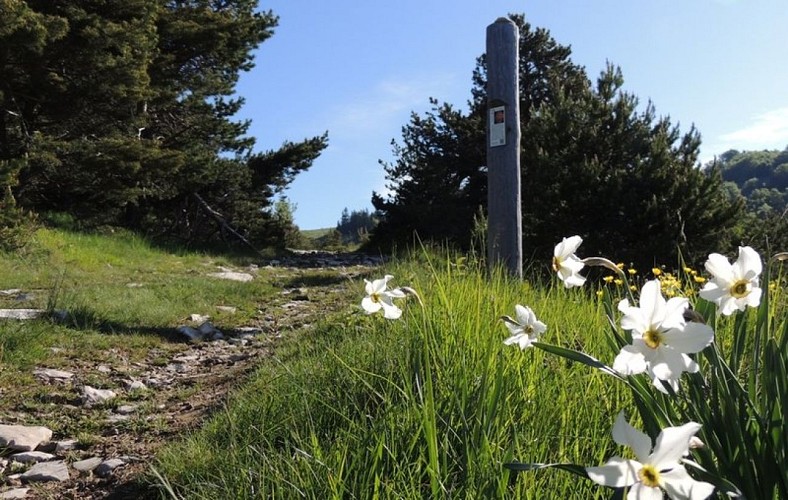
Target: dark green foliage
point(355, 226)
point(761, 178)
point(592, 164)
point(122, 113)
point(16, 225)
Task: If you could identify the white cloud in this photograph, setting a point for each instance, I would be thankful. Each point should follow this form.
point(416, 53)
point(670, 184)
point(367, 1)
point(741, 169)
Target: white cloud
point(766, 131)
point(386, 104)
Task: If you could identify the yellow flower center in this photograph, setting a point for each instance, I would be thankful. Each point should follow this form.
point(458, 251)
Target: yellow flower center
point(649, 476)
point(740, 289)
point(556, 264)
point(375, 297)
point(652, 338)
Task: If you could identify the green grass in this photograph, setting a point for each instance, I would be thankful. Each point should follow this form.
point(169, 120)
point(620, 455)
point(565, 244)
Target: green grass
point(429, 406)
point(123, 297)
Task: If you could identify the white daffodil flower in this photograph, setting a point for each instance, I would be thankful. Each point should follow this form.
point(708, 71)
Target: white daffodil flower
point(525, 328)
point(734, 286)
point(566, 263)
point(378, 297)
point(661, 337)
point(653, 472)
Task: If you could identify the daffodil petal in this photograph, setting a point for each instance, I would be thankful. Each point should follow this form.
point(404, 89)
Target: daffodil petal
point(369, 305)
point(748, 265)
point(720, 268)
point(629, 361)
point(672, 444)
point(616, 473)
point(626, 435)
point(694, 337)
point(678, 484)
point(642, 492)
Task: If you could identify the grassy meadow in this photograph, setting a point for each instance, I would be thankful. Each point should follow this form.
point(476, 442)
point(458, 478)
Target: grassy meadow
point(430, 406)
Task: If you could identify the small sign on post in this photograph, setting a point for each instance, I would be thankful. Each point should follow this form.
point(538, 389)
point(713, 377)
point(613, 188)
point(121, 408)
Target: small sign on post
point(497, 126)
point(504, 216)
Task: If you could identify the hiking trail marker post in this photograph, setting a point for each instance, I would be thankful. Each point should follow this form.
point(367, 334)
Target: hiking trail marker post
point(504, 216)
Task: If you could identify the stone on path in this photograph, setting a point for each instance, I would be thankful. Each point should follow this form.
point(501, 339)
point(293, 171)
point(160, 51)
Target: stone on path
point(31, 457)
point(232, 275)
point(92, 396)
point(14, 493)
point(50, 373)
point(65, 445)
point(106, 467)
point(47, 471)
point(22, 313)
point(23, 438)
point(88, 464)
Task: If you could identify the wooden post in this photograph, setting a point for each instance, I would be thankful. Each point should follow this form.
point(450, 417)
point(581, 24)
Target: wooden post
point(504, 217)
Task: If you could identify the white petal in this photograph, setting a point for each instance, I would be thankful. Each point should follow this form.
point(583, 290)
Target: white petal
point(370, 305)
point(668, 364)
point(635, 319)
point(629, 361)
point(720, 268)
point(522, 340)
point(728, 305)
point(672, 443)
point(567, 246)
point(674, 312)
point(679, 484)
point(753, 299)
point(368, 287)
point(539, 327)
point(694, 337)
point(642, 492)
point(626, 435)
point(573, 280)
point(748, 265)
point(514, 329)
point(396, 293)
point(713, 291)
point(652, 303)
point(616, 473)
point(523, 314)
point(390, 311)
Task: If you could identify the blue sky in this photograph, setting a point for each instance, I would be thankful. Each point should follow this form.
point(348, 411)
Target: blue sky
point(358, 68)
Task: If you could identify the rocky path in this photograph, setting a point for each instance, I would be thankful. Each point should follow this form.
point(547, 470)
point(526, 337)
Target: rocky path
point(167, 394)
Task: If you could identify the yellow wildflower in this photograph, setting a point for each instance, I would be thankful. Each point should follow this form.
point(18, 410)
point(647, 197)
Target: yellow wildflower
point(656, 271)
point(607, 279)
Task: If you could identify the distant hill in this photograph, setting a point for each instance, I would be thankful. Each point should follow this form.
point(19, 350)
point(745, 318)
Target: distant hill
point(760, 176)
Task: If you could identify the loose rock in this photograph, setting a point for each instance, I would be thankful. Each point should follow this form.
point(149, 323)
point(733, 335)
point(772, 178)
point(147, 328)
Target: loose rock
point(31, 457)
point(92, 396)
point(88, 464)
point(15, 493)
point(46, 471)
point(23, 438)
point(106, 467)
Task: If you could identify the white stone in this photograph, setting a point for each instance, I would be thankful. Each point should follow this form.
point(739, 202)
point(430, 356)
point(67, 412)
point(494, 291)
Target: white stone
point(198, 318)
point(46, 471)
point(135, 385)
point(50, 373)
point(22, 313)
point(14, 493)
point(92, 396)
point(31, 457)
point(227, 309)
point(231, 275)
point(23, 438)
point(88, 464)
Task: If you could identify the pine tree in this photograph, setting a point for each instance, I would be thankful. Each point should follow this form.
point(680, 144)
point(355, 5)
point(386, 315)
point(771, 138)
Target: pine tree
point(592, 164)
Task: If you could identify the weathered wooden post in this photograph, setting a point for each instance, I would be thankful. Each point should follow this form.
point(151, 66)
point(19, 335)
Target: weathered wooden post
point(504, 222)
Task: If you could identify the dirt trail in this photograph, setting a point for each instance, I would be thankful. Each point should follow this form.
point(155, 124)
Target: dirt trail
point(186, 381)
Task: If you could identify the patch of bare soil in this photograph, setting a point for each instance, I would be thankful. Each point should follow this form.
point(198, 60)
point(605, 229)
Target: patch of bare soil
point(177, 387)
